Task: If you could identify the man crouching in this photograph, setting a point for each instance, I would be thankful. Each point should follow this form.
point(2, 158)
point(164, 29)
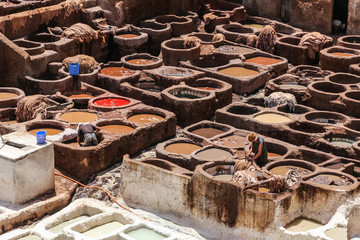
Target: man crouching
point(86, 134)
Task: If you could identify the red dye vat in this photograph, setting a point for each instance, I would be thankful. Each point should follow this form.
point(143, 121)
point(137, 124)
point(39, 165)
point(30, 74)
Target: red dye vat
point(111, 102)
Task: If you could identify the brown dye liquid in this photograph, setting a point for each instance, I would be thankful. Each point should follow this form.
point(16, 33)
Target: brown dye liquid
point(117, 71)
point(302, 225)
point(223, 177)
point(78, 117)
point(272, 155)
point(140, 61)
point(207, 132)
point(337, 233)
point(342, 54)
point(213, 154)
point(253, 25)
point(264, 190)
point(81, 96)
point(182, 148)
point(282, 170)
point(233, 141)
point(145, 118)
point(49, 131)
point(238, 72)
point(117, 128)
point(336, 165)
point(7, 95)
point(263, 60)
point(272, 118)
point(206, 88)
point(128, 35)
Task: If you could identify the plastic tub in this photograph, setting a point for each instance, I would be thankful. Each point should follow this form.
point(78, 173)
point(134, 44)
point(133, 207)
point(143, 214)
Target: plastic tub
point(41, 137)
point(74, 69)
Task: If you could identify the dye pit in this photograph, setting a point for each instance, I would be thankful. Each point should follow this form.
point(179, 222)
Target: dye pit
point(174, 88)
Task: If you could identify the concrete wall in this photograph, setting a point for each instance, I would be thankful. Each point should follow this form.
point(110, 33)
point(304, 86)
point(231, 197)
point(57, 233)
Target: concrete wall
point(312, 15)
point(136, 10)
point(268, 8)
point(353, 17)
point(13, 62)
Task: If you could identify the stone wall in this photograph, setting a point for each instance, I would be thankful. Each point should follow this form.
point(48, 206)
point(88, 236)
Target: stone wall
point(312, 15)
point(136, 10)
point(13, 62)
point(353, 17)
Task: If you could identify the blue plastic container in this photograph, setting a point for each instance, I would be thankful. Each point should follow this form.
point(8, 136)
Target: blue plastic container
point(74, 69)
point(41, 137)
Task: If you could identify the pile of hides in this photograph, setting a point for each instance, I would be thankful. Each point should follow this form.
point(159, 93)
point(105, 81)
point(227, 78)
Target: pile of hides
point(314, 41)
point(87, 63)
point(73, 6)
point(279, 98)
point(205, 49)
point(31, 107)
point(81, 33)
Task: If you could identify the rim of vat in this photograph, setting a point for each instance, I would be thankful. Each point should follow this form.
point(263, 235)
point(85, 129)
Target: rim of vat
point(57, 116)
point(45, 124)
point(353, 96)
point(310, 116)
point(313, 168)
point(157, 62)
point(255, 67)
point(285, 41)
point(254, 109)
point(208, 94)
point(337, 78)
point(268, 55)
point(328, 51)
point(216, 140)
point(144, 110)
point(189, 72)
point(180, 41)
point(116, 121)
point(318, 88)
point(136, 73)
point(92, 105)
point(219, 85)
point(208, 124)
point(162, 146)
point(17, 91)
point(344, 39)
point(353, 186)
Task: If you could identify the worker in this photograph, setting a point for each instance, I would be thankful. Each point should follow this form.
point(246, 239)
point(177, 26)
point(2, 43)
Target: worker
point(87, 134)
point(258, 150)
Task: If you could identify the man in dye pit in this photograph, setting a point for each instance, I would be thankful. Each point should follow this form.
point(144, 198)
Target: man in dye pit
point(86, 134)
point(258, 149)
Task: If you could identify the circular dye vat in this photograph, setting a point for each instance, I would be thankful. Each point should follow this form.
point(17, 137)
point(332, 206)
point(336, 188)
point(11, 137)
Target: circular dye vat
point(117, 71)
point(302, 225)
point(238, 72)
point(232, 141)
point(342, 54)
point(145, 118)
point(272, 118)
point(128, 35)
point(7, 95)
point(282, 170)
point(206, 88)
point(111, 102)
point(207, 132)
point(263, 60)
point(234, 49)
point(213, 154)
point(253, 25)
point(117, 128)
point(329, 179)
point(182, 148)
point(79, 117)
point(49, 131)
point(223, 177)
point(286, 86)
point(81, 96)
point(140, 61)
point(341, 142)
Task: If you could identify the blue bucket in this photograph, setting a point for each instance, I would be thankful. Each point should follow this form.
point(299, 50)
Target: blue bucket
point(74, 69)
point(41, 137)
